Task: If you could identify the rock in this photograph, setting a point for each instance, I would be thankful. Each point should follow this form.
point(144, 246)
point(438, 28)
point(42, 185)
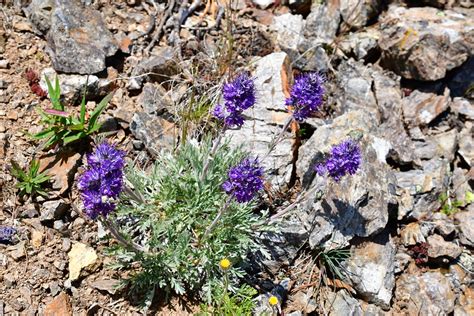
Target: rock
point(438, 247)
point(157, 68)
point(59, 306)
point(52, 210)
point(466, 144)
point(402, 260)
point(425, 51)
point(440, 145)
point(155, 132)
point(420, 109)
point(465, 221)
point(463, 107)
point(81, 257)
point(78, 40)
point(363, 45)
point(263, 4)
point(61, 166)
point(357, 205)
point(371, 269)
point(39, 13)
point(428, 293)
point(107, 285)
point(443, 224)
point(18, 251)
point(289, 32)
point(3, 64)
point(461, 83)
point(342, 303)
point(265, 119)
point(355, 83)
point(320, 28)
point(72, 86)
point(466, 303)
point(37, 238)
point(411, 235)
point(322, 23)
point(357, 14)
point(153, 99)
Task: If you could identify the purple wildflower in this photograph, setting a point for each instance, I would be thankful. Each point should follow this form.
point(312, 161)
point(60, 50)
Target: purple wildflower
point(239, 95)
point(102, 181)
point(345, 158)
point(306, 95)
point(6, 234)
point(245, 180)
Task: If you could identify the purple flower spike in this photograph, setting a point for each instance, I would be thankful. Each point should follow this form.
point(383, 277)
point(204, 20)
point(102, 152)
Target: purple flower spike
point(239, 95)
point(6, 234)
point(102, 181)
point(306, 95)
point(245, 180)
point(345, 158)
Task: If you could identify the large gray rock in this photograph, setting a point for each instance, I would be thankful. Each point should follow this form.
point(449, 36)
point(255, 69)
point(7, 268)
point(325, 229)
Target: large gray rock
point(466, 144)
point(424, 43)
point(356, 13)
point(371, 269)
point(465, 222)
point(156, 133)
point(265, 120)
point(342, 303)
point(363, 45)
point(78, 39)
point(428, 293)
point(357, 205)
point(288, 29)
point(463, 107)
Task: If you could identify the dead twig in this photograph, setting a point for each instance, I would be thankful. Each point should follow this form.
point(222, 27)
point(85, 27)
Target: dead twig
point(159, 30)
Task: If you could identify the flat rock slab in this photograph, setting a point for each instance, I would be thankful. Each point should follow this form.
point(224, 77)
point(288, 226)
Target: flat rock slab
point(424, 43)
point(81, 257)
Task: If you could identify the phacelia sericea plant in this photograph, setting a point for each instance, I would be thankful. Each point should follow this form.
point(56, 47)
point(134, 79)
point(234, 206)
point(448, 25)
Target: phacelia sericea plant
point(238, 95)
point(306, 96)
point(344, 159)
point(197, 204)
point(7, 234)
point(102, 181)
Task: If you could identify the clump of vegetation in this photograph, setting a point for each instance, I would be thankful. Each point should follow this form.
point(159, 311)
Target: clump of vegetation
point(450, 206)
point(31, 181)
point(63, 127)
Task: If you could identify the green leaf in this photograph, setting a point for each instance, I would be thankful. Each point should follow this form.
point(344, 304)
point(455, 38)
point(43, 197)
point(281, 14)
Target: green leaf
point(74, 137)
point(34, 167)
point(469, 197)
point(44, 134)
point(98, 110)
point(83, 103)
point(17, 172)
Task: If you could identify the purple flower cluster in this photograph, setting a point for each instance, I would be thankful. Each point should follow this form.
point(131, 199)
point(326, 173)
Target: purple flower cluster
point(239, 95)
point(245, 180)
point(306, 95)
point(102, 181)
point(345, 158)
point(6, 234)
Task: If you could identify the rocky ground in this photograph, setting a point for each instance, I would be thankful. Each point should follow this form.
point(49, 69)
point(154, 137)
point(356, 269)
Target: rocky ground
point(399, 74)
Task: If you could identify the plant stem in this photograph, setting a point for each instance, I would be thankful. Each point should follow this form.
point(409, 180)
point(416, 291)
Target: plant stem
point(302, 196)
point(119, 237)
point(216, 219)
point(211, 155)
point(278, 138)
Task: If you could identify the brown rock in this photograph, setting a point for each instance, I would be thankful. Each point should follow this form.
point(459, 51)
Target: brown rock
point(421, 108)
point(411, 235)
point(438, 247)
point(423, 43)
point(61, 167)
point(59, 306)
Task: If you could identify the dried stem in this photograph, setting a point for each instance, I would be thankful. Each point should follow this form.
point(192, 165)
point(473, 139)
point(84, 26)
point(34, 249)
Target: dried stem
point(211, 155)
point(120, 238)
point(216, 219)
point(279, 137)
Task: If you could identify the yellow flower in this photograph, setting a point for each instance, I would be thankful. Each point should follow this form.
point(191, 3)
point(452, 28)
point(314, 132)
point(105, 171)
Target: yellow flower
point(273, 300)
point(225, 264)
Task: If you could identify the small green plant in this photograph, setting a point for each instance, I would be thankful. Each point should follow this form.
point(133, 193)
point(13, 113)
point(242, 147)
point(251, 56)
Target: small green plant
point(30, 182)
point(332, 261)
point(238, 304)
point(451, 206)
point(170, 217)
point(62, 126)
